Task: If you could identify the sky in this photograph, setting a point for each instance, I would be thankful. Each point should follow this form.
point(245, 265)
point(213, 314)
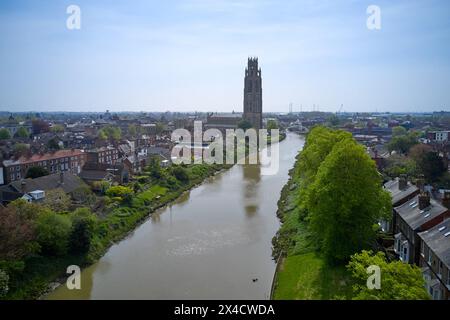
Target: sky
point(190, 55)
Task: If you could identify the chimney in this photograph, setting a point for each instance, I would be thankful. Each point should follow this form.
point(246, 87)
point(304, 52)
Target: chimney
point(424, 200)
point(446, 199)
point(402, 182)
point(61, 177)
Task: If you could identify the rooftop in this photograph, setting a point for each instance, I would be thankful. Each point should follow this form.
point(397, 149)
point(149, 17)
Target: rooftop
point(436, 239)
point(414, 217)
point(397, 193)
point(43, 157)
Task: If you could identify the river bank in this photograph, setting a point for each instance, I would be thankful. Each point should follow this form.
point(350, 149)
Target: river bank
point(302, 272)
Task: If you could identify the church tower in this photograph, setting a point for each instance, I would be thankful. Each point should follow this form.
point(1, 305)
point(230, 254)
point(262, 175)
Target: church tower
point(253, 94)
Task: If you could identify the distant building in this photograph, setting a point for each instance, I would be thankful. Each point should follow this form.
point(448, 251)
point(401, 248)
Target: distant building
point(253, 94)
point(103, 155)
point(439, 136)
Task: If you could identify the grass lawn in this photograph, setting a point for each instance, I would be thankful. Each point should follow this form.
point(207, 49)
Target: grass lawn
point(307, 276)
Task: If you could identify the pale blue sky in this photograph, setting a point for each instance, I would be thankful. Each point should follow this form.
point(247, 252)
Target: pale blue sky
point(190, 55)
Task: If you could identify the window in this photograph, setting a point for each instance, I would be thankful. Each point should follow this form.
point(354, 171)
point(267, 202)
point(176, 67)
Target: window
point(429, 256)
point(441, 266)
point(422, 249)
point(448, 277)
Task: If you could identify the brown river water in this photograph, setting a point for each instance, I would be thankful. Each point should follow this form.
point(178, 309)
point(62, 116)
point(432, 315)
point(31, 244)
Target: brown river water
point(212, 243)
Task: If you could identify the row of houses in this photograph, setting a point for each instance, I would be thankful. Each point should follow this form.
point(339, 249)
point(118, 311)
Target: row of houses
point(421, 228)
point(123, 160)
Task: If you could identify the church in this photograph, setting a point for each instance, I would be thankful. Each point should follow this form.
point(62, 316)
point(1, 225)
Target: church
point(252, 102)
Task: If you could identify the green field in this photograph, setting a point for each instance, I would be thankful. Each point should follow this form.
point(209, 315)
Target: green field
point(308, 276)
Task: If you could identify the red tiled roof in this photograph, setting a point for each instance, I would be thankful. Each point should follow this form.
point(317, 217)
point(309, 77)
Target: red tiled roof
point(48, 156)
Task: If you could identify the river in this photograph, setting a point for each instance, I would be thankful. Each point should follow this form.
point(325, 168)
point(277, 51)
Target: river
point(214, 242)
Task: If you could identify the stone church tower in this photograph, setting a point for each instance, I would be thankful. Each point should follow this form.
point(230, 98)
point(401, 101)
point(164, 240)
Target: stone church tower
point(253, 94)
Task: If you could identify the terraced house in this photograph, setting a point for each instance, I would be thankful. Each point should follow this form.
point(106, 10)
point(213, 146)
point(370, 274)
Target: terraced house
point(71, 160)
point(435, 260)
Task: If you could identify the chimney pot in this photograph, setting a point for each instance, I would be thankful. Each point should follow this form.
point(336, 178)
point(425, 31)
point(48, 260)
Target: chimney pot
point(402, 182)
point(424, 200)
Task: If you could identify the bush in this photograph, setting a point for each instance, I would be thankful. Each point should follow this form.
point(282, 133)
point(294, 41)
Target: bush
point(4, 279)
point(180, 174)
point(53, 231)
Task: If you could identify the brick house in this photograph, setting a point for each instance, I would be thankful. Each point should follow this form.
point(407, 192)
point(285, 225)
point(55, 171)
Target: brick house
point(71, 160)
point(103, 155)
point(414, 216)
point(434, 260)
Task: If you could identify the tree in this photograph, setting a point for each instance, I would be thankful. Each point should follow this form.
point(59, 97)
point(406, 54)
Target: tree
point(432, 166)
point(57, 200)
point(180, 174)
point(272, 124)
point(52, 144)
point(122, 192)
point(4, 280)
point(83, 225)
point(399, 281)
point(399, 131)
point(21, 149)
point(319, 143)
point(132, 130)
point(402, 143)
point(57, 128)
point(4, 134)
point(53, 231)
point(22, 132)
point(345, 201)
point(17, 234)
point(154, 168)
point(110, 132)
point(244, 124)
point(83, 194)
point(159, 128)
point(36, 172)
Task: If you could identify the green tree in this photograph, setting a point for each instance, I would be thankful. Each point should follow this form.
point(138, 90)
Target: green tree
point(132, 130)
point(402, 143)
point(399, 131)
point(244, 124)
point(154, 168)
point(124, 193)
point(57, 128)
point(180, 174)
point(345, 201)
point(21, 149)
point(83, 228)
point(22, 133)
point(159, 128)
point(4, 134)
point(432, 166)
point(272, 124)
point(36, 172)
point(57, 200)
point(53, 231)
point(398, 280)
point(52, 144)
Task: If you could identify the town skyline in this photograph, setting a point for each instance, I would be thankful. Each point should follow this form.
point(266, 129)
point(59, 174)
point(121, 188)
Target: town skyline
point(188, 56)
